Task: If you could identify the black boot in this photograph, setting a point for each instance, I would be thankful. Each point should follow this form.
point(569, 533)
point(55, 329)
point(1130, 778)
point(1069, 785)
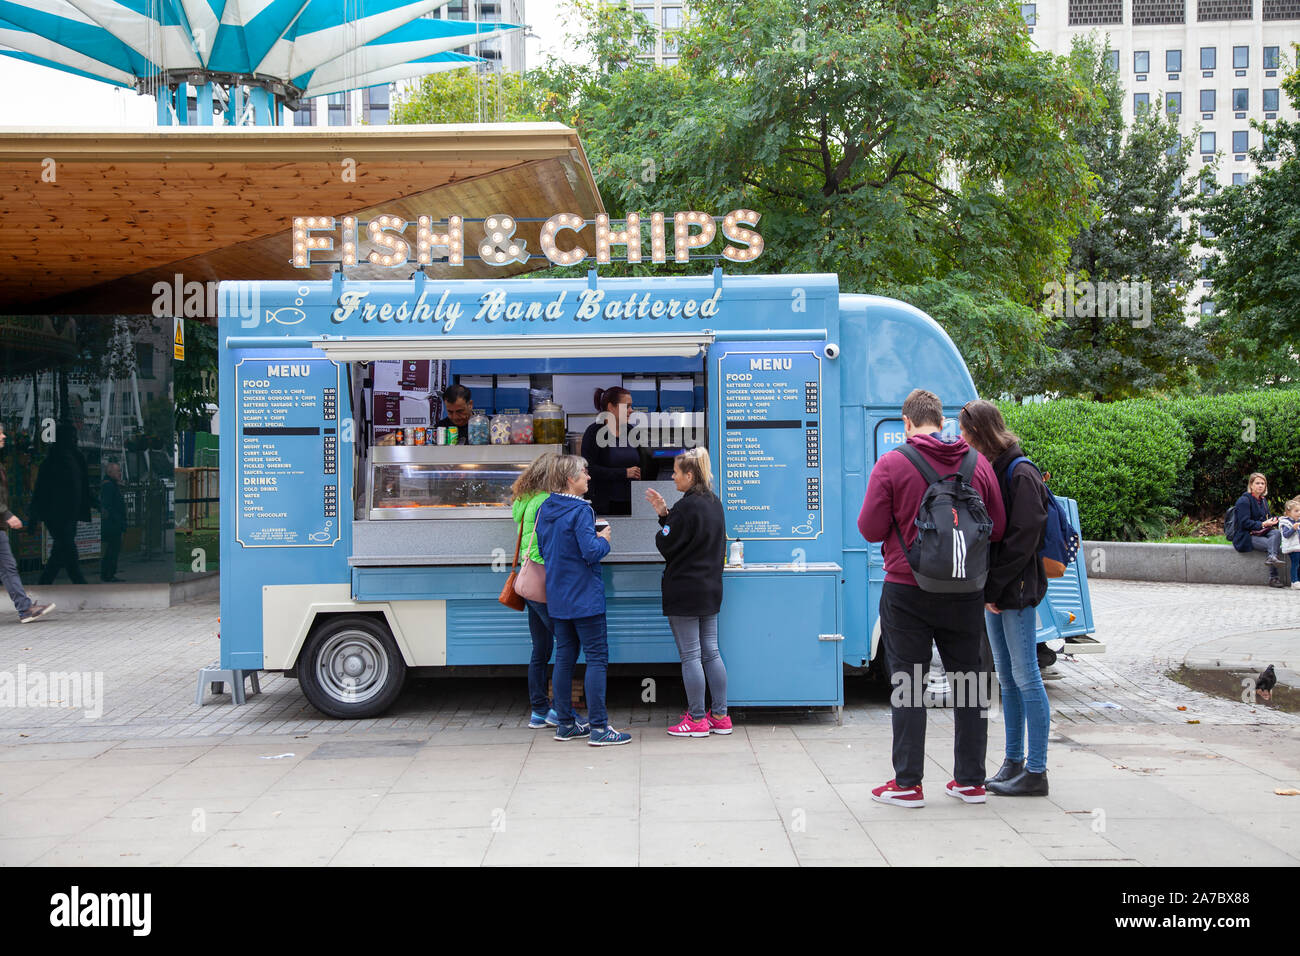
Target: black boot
point(1025, 784)
point(1009, 769)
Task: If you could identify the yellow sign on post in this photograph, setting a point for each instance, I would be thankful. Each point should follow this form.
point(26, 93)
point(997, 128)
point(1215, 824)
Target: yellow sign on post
point(178, 352)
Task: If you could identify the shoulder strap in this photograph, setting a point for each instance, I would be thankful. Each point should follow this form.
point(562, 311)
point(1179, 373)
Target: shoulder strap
point(969, 462)
point(518, 541)
point(1012, 467)
point(918, 461)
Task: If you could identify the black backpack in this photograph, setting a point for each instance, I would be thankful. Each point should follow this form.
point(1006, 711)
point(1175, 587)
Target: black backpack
point(1230, 524)
point(951, 551)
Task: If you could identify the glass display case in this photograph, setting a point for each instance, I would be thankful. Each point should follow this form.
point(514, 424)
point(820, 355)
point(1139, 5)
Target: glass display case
point(446, 481)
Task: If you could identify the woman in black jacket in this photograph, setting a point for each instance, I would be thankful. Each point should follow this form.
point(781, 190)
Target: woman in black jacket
point(613, 461)
point(1016, 584)
point(691, 539)
point(1256, 530)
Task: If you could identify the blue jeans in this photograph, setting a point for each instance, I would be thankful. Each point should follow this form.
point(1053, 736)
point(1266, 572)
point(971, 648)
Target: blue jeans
point(539, 626)
point(697, 643)
point(588, 633)
point(9, 573)
point(1295, 566)
point(1024, 699)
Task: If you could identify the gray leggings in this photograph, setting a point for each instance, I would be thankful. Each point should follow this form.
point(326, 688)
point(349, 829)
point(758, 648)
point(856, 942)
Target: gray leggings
point(697, 643)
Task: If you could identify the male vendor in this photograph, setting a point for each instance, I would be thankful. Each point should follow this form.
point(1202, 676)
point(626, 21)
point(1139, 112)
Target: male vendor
point(458, 406)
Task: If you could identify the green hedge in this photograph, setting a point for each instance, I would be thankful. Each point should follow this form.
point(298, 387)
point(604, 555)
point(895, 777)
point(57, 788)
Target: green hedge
point(1124, 462)
point(1234, 435)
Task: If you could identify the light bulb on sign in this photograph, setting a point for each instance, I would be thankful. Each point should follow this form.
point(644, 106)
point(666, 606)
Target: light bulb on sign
point(733, 229)
point(683, 241)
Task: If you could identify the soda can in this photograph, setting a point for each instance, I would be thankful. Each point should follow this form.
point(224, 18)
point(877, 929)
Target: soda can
point(408, 435)
point(453, 435)
point(419, 435)
point(442, 435)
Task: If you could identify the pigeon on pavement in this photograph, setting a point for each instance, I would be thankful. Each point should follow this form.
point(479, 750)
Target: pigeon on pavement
point(1265, 681)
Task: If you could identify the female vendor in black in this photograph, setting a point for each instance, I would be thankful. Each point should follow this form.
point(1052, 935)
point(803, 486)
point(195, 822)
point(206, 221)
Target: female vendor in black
point(613, 463)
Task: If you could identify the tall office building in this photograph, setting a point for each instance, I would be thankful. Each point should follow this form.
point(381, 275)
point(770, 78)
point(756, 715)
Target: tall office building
point(667, 17)
point(1216, 64)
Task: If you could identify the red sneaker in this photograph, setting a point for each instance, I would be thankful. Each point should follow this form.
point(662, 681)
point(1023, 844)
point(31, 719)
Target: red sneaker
point(719, 725)
point(967, 794)
point(899, 796)
point(690, 728)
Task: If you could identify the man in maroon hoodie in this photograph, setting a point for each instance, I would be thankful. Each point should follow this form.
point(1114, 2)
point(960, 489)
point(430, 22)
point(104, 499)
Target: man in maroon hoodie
point(912, 620)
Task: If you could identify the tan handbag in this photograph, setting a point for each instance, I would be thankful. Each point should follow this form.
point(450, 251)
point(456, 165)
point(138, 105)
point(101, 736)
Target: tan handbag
point(509, 596)
point(531, 581)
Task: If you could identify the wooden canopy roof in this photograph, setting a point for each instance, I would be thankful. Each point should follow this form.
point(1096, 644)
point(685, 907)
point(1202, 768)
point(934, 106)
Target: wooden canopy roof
point(91, 220)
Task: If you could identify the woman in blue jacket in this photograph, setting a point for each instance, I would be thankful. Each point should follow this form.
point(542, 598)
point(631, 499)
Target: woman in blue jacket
point(575, 598)
point(1256, 531)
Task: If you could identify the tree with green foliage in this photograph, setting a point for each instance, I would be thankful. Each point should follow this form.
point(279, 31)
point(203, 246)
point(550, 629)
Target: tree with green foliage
point(1254, 261)
point(1133, 337)
point(917, 149)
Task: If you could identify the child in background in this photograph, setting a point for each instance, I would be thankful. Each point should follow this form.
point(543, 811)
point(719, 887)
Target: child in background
point(1290, 525)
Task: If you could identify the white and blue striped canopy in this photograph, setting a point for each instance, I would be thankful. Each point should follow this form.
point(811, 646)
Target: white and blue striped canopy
point(317, 46)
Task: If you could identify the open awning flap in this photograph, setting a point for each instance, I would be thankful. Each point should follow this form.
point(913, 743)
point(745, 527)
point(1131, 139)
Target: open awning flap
point(439, 346)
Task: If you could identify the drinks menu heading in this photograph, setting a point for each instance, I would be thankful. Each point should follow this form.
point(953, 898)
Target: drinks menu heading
point(287, 462)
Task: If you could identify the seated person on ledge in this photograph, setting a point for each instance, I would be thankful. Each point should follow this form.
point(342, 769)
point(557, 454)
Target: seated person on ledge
point(1256, 531)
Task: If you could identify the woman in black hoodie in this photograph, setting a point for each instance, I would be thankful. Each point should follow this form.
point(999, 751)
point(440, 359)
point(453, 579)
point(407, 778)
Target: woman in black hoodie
point(691, 538)
point(1016, 584)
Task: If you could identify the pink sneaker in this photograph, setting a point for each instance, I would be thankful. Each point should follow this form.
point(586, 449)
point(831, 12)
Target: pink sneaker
point(690, 728)
point(899, 796)
point(719, 725)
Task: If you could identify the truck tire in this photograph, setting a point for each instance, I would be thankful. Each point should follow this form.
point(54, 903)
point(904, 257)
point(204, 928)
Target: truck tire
point(350, 667)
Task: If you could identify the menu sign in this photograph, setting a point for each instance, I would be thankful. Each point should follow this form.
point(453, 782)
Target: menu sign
point(771, 466)
point(287, 461)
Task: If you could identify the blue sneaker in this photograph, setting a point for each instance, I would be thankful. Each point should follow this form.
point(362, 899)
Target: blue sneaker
point(553, 719)
point(537, 722)
point(608, 737)
point(572, 733)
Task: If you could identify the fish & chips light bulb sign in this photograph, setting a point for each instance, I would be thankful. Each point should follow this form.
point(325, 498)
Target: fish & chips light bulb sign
point(391, 246)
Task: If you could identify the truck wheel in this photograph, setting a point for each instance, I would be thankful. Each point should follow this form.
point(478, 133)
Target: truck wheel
point(350, 667)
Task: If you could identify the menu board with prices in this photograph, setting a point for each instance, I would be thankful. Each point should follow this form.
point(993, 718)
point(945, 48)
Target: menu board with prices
point(287, 461)
point(771, 462)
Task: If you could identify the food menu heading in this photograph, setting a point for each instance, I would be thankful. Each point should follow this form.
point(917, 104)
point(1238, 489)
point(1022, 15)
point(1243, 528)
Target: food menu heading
point(771, 468)
point(287, 461)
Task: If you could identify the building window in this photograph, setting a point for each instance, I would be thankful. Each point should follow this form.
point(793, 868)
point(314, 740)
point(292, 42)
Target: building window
point(1148, 12)
point(305, 114)
point(375, 104)
point(1112, 60)
point(340, 109)
point(1207, 101)
point(1173, 61)
point(1240, 141)
point(1030, 12)
point(1141, 61)
point(1270, 101)
point(1241, 100)
point(1172, 151)
point(1082, 13)
point(1207, 185)
point(1240, 179)
point(1141, 102)
point(672, 18)
point(1240, 57)
point(1207, 308)
point(671, 41)
point(1223, 9)
point(1207, 144)
point(144, 360)
point(670, 61)
point(1272, 57)
point(1209, 55)
point(646, 11)
point(1173, 103)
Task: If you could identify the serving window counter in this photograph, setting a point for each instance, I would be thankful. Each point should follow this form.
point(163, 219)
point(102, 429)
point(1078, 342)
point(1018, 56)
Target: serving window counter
point(349, 563)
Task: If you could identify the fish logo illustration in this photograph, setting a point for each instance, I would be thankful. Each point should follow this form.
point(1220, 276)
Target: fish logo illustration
point(289, 315)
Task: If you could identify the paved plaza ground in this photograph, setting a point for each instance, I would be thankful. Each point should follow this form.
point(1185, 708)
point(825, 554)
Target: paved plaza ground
point(452, 775)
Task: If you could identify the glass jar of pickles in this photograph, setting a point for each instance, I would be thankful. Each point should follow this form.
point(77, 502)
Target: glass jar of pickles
point(499, 430)
point(548, 424)
point(521, 429)
point(478, 429)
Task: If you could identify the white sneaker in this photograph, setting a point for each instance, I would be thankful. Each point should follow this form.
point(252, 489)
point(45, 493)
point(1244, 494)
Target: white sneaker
point(1295, 585)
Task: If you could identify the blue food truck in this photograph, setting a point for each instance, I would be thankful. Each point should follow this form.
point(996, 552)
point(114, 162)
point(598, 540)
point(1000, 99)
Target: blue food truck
point(350, 561)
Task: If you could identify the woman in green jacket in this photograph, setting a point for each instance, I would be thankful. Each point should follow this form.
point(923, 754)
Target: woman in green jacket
point(528, 492)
